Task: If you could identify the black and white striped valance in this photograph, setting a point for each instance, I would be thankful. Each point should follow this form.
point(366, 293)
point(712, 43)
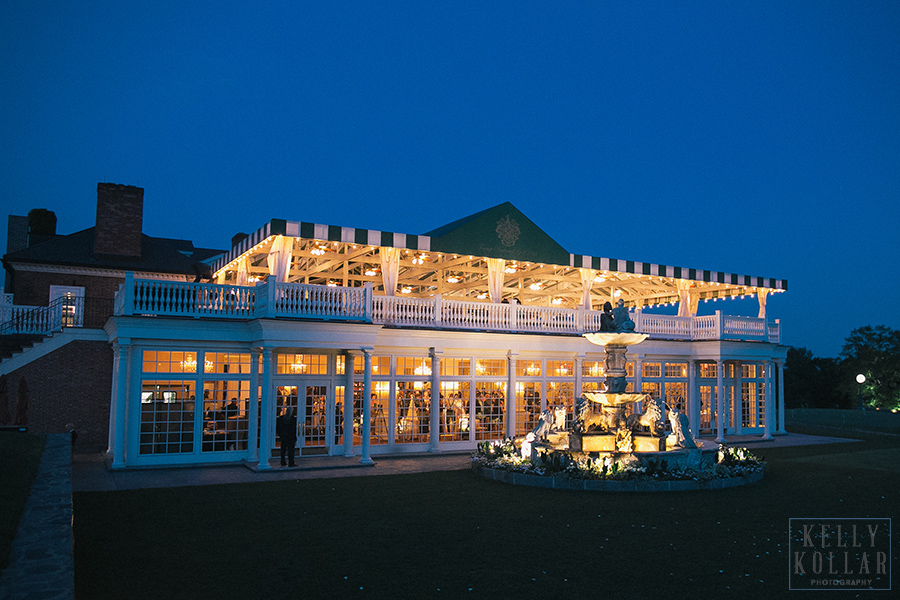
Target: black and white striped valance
point(584, 261)
point(325, 233)
point(388, 239)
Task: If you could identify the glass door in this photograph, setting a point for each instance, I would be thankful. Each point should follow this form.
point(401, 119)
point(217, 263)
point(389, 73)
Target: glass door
point(312, 421)
point(71, 304)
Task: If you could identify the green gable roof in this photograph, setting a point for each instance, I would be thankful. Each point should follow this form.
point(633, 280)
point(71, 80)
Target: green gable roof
point(499, 232)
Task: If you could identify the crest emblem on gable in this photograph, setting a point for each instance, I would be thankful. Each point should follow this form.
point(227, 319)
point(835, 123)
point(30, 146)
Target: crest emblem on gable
point(508, 231)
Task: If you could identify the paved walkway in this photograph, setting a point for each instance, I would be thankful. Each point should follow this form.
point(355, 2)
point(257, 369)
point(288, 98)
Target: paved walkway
point(41, 562)
point(90, 472)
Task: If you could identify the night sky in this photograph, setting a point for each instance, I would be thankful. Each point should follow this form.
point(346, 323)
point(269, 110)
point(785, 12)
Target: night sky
point(758, 138)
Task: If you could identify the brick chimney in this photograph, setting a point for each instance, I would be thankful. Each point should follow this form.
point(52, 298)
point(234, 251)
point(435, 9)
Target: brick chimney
point(120, 213)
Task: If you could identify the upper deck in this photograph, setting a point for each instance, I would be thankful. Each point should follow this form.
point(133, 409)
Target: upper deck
point(276, 300)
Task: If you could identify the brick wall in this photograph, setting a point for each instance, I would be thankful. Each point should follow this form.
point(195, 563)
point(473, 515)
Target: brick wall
point(70, 385)
point(120, 213)
point(33, 287)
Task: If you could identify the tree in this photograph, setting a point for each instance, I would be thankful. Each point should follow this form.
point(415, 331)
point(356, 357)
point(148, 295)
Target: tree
point(875, 353)
point(812, 382)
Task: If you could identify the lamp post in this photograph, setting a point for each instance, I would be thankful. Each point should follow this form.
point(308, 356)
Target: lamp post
point(860, 379)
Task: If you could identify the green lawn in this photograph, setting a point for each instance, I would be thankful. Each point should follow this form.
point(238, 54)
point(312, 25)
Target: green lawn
point(438, 535)
point(20, 455)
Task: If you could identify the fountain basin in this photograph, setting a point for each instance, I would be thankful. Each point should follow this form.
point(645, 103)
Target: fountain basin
point(606, 442)
point(615, 339)
point(615, 400)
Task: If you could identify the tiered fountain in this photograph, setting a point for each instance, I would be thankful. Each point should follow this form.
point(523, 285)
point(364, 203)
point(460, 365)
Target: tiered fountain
point(604, 430)
point(603, 425)
point(603, 422)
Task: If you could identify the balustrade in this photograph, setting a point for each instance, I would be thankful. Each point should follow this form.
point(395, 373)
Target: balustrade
point(319, 301)
point(272, 300)
point(70, 311)
point(183, 299)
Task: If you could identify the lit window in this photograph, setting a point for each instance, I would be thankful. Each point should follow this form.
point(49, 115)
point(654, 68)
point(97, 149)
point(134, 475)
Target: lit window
point(165, 361)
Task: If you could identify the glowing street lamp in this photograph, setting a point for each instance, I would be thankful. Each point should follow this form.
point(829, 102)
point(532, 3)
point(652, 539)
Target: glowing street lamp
point(860, 379)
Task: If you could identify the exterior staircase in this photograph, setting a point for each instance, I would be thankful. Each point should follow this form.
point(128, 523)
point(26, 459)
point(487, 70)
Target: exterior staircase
point(30, 332)
point(16, 343)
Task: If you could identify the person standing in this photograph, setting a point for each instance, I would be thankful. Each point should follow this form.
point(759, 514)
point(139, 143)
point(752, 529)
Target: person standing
point(286, 428)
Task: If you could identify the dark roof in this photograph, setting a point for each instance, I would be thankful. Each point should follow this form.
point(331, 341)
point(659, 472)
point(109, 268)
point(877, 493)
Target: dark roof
point(187, 248)
point(158, 255)
point(499, 232)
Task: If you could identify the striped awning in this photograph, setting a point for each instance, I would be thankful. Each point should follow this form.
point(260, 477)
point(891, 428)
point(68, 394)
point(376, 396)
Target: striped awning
point(584, 261)
point(736, 283)
point(325, 233)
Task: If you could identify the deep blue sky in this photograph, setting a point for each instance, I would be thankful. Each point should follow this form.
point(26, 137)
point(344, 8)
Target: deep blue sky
point(758, 137)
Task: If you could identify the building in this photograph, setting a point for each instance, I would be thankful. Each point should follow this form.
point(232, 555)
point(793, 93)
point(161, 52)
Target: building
point(60, 291)
point(390, 343)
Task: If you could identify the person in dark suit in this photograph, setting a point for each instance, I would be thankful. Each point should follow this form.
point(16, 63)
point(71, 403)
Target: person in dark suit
point(286, 428)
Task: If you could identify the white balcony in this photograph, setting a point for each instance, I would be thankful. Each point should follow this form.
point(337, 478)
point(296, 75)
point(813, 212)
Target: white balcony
point(299, 301)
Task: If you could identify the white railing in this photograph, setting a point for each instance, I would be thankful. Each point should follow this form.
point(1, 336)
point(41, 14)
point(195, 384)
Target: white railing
point(41, 320)
point(405, 312)
point(38, 320)
point(744, 328)
point(318, 301)
point(183, 299)
point(292, 300)
point(548, 320)
point(475, 315)
point(709, 327)
point(671, 327)
point(483, 316)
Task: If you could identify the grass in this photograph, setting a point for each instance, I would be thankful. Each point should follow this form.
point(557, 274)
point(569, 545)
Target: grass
point(438, 535)
point(20, 455)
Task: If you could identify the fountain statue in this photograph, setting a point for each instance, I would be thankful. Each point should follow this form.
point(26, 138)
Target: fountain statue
point(615, 420)
point(602, 420)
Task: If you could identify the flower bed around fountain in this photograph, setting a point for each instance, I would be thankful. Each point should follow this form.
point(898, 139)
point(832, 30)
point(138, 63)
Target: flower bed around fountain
point(674, 470)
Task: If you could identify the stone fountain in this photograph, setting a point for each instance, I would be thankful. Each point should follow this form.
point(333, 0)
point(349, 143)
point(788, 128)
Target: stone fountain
point(603, 422)
point(626, 442)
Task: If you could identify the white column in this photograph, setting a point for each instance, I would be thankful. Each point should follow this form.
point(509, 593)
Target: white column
point(781, 430)
point(738, 398)
point(253, 414)
point(367, 406)
point(120, 437)
point(579, 362)
point(720, 401)
point(511, 357)
point(768, 396)
point(435, 431)
point(267, 417)
point(113, 403)
point(693, 398)
point(349, 404)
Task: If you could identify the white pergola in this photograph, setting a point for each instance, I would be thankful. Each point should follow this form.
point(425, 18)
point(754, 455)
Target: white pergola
point(400, 264)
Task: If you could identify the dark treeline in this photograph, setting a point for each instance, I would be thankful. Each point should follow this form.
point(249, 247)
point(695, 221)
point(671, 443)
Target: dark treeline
point(814, 382)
